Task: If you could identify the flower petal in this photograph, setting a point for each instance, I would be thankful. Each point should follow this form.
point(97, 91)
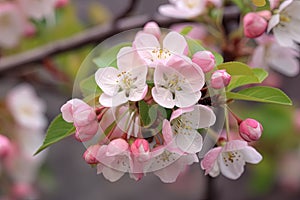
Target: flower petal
point(232, 170)
point(175, 43)
point(204, 116)
point(128, 59)
point(189, 143)
point(109, 101)
point(209, 162)
point(185, 99)
point(106, 79)
point(251, 155)
point(163, 97)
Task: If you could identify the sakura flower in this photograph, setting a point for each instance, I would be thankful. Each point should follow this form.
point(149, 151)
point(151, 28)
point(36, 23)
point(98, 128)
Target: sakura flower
point(178, 83)
point(286, 24)
point(39, 9)
point(229, 159)
point(83, 116)
point(11, 25)
point(114, 159)
point(126, 83)
point(150, 50)
point(26, 107)
point(181, 132)
point(183, 9)
point(167, 163)
point(269, 54)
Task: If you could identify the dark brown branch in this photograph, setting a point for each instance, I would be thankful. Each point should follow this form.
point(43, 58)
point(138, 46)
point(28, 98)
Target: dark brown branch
point(94, 35)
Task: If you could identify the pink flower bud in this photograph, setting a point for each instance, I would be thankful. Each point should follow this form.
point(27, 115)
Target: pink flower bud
point(83, 116)
point(220, 79)
point(140, 148)
point(90, 154)
point(254, 25)
point(61, 3)
point(5, 146)
point(205, 60)
point(29, 29)
point(153, 29)
point(250, 130)
point(23, 191)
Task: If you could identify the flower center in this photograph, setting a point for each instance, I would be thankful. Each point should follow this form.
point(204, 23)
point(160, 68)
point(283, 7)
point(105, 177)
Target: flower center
point(191, 3)
point(231, 157)
point(181, 124)
point(160, 54)
point(285, 18)
point(126, 81)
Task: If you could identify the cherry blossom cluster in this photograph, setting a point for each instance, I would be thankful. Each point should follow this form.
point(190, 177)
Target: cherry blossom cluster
point(20, 135)
point(17, 16)
point(151, 113)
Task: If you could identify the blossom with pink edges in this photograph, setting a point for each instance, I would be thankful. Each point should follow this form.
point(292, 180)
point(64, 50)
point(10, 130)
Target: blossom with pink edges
point(177, 83)
point(126, 83)
point(229, 159)
point(181, 131)
point(153, 53)
point(270, 54)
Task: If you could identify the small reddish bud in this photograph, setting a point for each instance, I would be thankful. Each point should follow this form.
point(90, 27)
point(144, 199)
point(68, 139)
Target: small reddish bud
point(140, 148)
point(90, 154)
point(153, 29)
point(254, 25)
point(5, 146)
point(205, 60)
point(250, 130)
point(220, 79)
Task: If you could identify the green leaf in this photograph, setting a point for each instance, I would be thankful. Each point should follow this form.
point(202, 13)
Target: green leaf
point(261, 94)
point(144, 109)
point(219, 59)
point(237, 81)
point(58, 130)
point(109, 57)
point(89, 86)
point(194, 46)
point(260, 73)
point(236, 68)
point(186, 30)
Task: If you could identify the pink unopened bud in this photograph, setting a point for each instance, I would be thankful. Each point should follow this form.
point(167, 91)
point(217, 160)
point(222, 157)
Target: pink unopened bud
point(23, 191)
point(220, 79)
point(61, 3)
point(250, 130)
point(29, 29)
point(5, 146)
point(140, 148)
point(152, 28)
point(90, 154)
point(254, 25)
point(205, 60)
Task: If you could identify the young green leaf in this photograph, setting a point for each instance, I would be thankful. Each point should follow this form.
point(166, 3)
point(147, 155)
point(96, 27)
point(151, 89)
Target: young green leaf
point(194, 46)
point(109, 57)
point(261, 94)
point(260, 73)
point(186, 30)
point(236, 69)
point(58, 130)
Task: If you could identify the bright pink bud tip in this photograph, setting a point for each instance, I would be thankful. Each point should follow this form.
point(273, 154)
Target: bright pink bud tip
point(5, 146)
point(23, 191)
point(61, 3)
point(220, 79)
point(153, 29)
point(254, 25)
point(250, 130)
point(90, 154)
point(140, 148)
point(205, 60)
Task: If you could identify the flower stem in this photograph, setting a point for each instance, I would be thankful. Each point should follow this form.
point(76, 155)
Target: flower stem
point(227, 122)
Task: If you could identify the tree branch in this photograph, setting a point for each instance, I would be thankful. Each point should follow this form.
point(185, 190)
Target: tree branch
point(93, 35)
